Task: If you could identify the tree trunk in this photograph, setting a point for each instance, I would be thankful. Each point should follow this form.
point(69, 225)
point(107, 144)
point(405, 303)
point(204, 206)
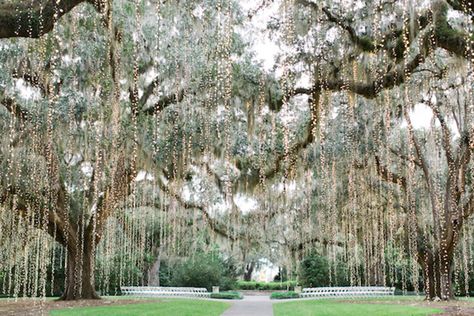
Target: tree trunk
point(154, 271)
point(249, 267)
point(80, 275)
point(438, 282)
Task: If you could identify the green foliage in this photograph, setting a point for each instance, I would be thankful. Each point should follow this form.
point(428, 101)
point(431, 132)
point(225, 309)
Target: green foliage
point(121, 271)
point(205, 270)
point(314, 271)
point(284, 295)
point(247, 285)
point(165, 274)
point(449, 35)
point(366, 44)
point(401, 269)
point(399, 48)
point(265, 286)
point(228, 295)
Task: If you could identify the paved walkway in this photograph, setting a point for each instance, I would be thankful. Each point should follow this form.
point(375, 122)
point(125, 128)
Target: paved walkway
point(251, 306)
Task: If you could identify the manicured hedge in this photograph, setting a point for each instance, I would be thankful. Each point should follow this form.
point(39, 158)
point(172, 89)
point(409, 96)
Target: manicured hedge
point(265, 286)
point(284, 295)
point(229, 295)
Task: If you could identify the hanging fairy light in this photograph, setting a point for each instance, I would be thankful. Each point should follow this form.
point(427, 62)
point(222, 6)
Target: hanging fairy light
point(261, 140)
point(411, 220)
point(227, 65)
point(289, 39)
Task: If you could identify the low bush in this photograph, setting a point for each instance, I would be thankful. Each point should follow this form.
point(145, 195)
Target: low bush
point(229, 295)
point(284, 295)
point(266, 286)
point(246, 285)
point(205, 270)
point(314, 271)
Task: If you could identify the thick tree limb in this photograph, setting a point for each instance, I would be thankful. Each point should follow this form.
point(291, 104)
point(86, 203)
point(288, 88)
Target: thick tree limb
point(388, 175)
point(419, 151)
point(57, 225)
point(404, 157)
point(148, 92)
point(214, 224)
point(463, 158)
point(162, 103)
point(368, 89)
point(369, 44)
point(445, 132)
point(35, 18)
point(33, 79)
point(114, 193)
point(251, 179)
point(14, 108)
point(465, 6)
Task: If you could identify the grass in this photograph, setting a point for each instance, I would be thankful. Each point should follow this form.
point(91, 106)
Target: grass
point(179, 307)
point(335, 308)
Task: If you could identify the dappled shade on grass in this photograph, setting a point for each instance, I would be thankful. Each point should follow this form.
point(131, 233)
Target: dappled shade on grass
point(166, 307)
point(335, 308)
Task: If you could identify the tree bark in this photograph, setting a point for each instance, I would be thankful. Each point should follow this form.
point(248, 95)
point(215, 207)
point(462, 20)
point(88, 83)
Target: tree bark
point(33, 19)
point(80, 283)
point(154, 271)
point(437, 272)
point(249, 267)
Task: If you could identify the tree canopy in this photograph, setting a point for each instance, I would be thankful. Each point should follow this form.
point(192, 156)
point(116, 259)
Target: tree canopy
point(155, 126)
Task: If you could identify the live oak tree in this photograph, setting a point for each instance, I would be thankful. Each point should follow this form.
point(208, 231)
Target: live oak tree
point(105, 104)
point(387, 54)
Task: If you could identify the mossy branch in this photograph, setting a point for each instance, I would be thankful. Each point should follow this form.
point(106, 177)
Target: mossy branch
point(35, 18)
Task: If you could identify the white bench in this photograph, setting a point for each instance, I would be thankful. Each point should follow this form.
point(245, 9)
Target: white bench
point(154, 291)
point(347, 292)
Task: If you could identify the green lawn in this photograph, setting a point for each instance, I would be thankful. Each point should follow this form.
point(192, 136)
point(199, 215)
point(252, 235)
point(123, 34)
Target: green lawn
point(334, 308)
point(178, 307)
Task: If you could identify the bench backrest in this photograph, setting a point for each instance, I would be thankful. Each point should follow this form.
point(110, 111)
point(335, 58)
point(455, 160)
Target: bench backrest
point(159, 290)
point(349, 291)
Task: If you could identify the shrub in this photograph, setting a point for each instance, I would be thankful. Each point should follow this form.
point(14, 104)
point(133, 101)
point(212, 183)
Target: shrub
point(205, 270)
point(165, 274)
point(265, 286)
point(284, 295)
point(314, 271)
point(246, 285)
point(229, 295)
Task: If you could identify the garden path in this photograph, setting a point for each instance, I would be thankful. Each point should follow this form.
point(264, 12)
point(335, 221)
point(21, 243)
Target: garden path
point(254, 305)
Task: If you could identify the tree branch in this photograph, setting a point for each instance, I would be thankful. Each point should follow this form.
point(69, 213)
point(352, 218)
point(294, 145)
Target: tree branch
point(445, 130)
point(369, 44)
point(213, 223)
point(162, 103)
point(113, 194)
point(389, 176)
point(404, 157)
point(14, 108)
point(368, 89)
point(323, 241)
point(465, 6)
point(35, 18)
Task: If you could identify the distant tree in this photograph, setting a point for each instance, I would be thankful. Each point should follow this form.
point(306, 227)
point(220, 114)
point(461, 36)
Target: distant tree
point(314, 271)
point(205, 270)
